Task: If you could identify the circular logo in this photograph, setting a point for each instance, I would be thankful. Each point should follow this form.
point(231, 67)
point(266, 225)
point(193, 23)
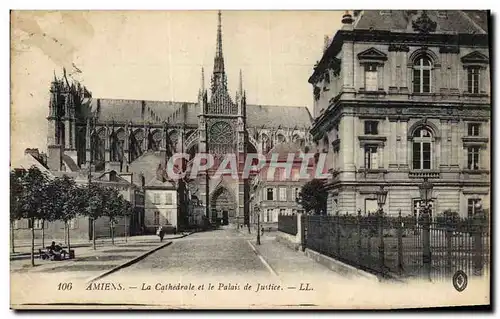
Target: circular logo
point(460, 281)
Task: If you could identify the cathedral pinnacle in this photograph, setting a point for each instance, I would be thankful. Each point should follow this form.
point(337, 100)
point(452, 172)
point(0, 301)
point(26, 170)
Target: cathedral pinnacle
point(202, 86)
point(240, 86)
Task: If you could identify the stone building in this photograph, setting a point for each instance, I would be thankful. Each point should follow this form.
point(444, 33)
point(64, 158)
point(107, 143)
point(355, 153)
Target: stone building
point(135, 137)
point(278, 189)
point(403, 95)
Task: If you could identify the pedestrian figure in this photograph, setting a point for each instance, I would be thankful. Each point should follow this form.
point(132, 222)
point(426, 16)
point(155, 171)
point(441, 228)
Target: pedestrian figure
point(262, 230)
point(160, 232)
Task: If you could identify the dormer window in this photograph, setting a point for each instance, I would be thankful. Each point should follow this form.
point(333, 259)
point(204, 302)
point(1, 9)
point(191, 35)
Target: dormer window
point(371, 128)
point(473, 129)
point(373, 61)
point(475, 64)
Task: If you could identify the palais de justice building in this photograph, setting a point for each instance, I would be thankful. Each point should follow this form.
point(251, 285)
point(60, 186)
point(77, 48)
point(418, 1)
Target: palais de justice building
point(403, 95)
point(134, 138)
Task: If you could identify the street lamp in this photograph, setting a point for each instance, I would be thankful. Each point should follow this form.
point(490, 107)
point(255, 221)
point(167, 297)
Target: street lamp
point(257, 212)
point(381, 197)
point(426, 195)
point(477, 207)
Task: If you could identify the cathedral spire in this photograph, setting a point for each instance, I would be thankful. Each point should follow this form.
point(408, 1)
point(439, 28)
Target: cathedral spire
point(219, 75)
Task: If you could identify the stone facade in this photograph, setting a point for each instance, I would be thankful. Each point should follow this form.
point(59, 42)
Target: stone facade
point(399, 101)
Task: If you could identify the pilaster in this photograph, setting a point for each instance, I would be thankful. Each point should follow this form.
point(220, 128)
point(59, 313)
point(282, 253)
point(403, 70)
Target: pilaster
point(404, 144)
point(444, 160)
point(393, 147)
point(404, 70)
point(455, 144)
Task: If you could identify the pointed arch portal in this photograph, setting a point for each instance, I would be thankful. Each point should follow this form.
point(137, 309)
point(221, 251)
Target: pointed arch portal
point(223, 206)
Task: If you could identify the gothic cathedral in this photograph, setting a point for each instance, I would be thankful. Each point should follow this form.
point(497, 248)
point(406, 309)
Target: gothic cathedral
point(135, 138)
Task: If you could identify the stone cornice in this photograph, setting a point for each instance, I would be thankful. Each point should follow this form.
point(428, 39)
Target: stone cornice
point(401, 110)
point(372, 140)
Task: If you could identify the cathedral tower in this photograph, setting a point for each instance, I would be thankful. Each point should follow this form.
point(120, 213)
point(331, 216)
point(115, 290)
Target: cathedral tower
point(222, 129)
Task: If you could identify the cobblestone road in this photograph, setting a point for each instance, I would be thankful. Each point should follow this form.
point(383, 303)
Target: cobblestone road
point(217, 252)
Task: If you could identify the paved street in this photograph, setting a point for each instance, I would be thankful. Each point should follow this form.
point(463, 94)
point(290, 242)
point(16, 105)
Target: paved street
point(223, 251)
point(229, 253)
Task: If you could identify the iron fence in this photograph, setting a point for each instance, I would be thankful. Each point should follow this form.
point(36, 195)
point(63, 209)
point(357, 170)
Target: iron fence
point(287, 224)
point(402, 246)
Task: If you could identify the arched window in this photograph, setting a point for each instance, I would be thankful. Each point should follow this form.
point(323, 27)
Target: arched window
point(280, 138)
point(422, 68)
point(422, 149)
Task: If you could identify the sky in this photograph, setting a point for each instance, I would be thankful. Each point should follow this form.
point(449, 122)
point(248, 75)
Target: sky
point(158, 55)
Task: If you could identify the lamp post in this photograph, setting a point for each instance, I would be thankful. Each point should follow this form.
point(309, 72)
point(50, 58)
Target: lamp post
point(478, 208)
point(257, 213)
point(381, 197)
point(477, 256)
point(426, 194)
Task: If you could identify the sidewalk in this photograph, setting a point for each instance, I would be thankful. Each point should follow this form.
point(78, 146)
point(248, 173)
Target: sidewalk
point(23, 248)
point(291, 264)
point(89, 262)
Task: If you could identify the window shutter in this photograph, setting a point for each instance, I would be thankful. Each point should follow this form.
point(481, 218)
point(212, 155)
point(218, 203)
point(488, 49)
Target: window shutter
point(274, 194)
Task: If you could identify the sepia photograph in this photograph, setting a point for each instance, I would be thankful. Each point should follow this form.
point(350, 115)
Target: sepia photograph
point(231, 159)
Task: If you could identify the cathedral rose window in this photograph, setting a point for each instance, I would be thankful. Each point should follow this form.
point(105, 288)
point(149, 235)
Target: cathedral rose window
point(221, 133)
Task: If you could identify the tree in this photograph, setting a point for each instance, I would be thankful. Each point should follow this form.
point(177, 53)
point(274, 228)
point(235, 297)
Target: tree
point(69, 200)
point(128, 210)
point(94, 206)
point(16, 193)
point(113, 208)
point(313, 196)
point(33, 200)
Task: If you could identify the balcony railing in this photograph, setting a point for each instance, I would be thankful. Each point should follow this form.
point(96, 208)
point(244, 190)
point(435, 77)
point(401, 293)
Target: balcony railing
point(424, 174)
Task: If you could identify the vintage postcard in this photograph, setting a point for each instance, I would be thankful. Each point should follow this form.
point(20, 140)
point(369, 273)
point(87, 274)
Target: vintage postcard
point(250, 159)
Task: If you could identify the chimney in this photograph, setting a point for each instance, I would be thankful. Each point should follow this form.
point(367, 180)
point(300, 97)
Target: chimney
point(347, 21)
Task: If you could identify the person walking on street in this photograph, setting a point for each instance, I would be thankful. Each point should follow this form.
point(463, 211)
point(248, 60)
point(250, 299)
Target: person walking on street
point(160, 232)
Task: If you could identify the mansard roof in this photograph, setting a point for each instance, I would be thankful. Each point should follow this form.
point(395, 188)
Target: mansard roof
point(402, 20)
point(434, 27)
point(125, 111)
